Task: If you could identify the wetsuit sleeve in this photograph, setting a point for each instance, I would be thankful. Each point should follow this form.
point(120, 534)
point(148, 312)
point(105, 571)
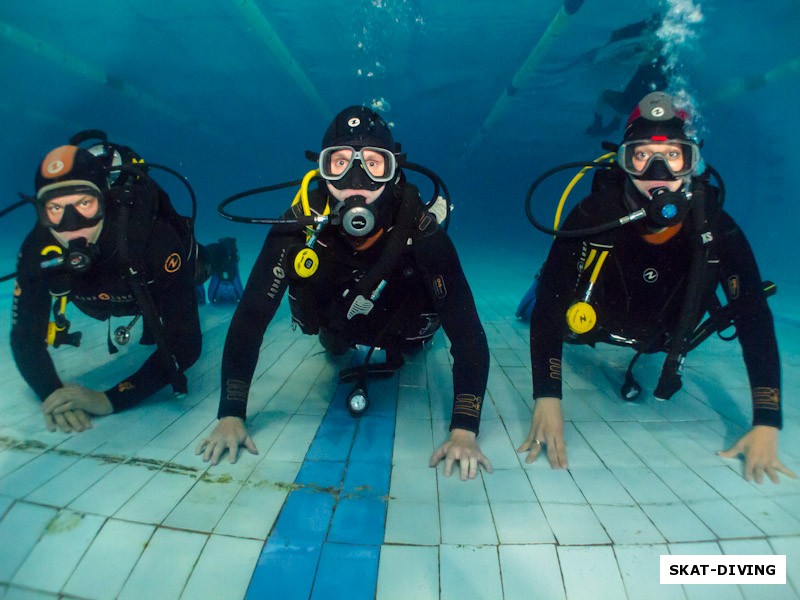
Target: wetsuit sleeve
point(553, 296)
point(742, 284)
point(171, 286)
point(261, 298)
point(437, 258)
point(31, 315)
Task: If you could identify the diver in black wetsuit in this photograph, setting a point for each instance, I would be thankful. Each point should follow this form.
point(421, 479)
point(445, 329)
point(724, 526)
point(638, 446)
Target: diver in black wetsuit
point(652, 73)
point(82, 251)
point(648, 284)
point(387, 276)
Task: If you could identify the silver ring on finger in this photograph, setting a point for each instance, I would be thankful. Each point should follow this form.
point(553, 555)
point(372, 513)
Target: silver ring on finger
point(538, 442)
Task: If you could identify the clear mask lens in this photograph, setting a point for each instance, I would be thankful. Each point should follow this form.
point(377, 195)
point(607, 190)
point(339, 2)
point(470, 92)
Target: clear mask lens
point(680, 157)
point(378, 163)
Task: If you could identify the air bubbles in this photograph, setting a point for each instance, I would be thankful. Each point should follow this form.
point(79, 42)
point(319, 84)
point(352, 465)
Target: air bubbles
point(380, 105)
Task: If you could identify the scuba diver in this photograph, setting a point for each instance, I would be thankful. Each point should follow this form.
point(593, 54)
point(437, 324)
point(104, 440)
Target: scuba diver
point(637, 264)
point(109, 241)
point(379, 272)
point(652, 73)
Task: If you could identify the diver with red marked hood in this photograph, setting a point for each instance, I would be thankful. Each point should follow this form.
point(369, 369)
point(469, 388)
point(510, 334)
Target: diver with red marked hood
point(377, 271)
point(637, 264)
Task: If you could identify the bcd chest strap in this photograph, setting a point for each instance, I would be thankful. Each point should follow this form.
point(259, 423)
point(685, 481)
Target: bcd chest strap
point(141, 292)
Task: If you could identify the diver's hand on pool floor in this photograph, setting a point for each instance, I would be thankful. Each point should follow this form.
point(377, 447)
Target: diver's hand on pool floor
point(73, 398)
point(760, 449)
point(229, 434)
point(547, 429)
point(68, 421)
point(463, 447)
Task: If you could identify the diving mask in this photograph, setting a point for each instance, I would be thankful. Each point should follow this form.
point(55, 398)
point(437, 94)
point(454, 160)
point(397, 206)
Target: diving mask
point(658, 158)
point(379, 164)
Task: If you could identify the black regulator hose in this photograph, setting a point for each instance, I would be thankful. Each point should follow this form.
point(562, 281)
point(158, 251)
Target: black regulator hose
point(575, 232)
point(221, 208)
point(439, 190)
point(602, 228)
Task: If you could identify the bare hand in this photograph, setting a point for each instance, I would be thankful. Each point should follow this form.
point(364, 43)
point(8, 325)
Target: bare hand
point(461, 447)
point(760, 449)
point(68, 421)
point(229, 434)
point(547, 429)
point(76, 397)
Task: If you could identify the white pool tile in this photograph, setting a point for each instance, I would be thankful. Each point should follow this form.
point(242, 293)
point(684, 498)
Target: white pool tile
point(412, 401)
point(677, 523)
point(223, 570)
point(109, 561)
point(790, 547)
point(452, 490)
point(686, 483)
point(18, 593)
point(12, 460)
point(293, 442)
point(590, 572)
point(555, 486)
point(646, 446)
point(639, 566)
point(414, 483)
point(253, 511)
point(645, 487)
point(721, 517)
point(413, 522)
point(469, 572)
point(768, 516)
point(157, 498)
point(5, 504)
point(531, 572)
point(413, 442)
point(408, 573)
point(575, 525)
point(627, 525)
point(521, 523)
point(20, 529)
point(580, 455)
point(35, 473)
point(599, 486)
point(609, 447)
point(111, 492)
point(204, 504)
point(71, 483)
point(496, 445)
point(165, 566)
point(508, 485)
point(469, 524)
point(63, 542)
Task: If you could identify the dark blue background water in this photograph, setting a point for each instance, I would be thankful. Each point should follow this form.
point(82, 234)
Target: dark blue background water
point(199, 86)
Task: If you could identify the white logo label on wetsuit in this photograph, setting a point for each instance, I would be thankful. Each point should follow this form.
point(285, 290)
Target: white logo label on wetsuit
point(657, 112)
point(650, 275)
point(354, 122)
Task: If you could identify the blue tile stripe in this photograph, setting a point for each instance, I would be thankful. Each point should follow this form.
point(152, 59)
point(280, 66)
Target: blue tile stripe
point(326, 541)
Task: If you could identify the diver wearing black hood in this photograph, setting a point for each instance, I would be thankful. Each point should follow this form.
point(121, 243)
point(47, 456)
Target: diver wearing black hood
point(382, 273)
point(647, 284)
point(75, 254)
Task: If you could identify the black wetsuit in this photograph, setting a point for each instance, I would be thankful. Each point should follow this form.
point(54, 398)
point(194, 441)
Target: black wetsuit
point(425, 287)
point(102, 292)
point(638, 296)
